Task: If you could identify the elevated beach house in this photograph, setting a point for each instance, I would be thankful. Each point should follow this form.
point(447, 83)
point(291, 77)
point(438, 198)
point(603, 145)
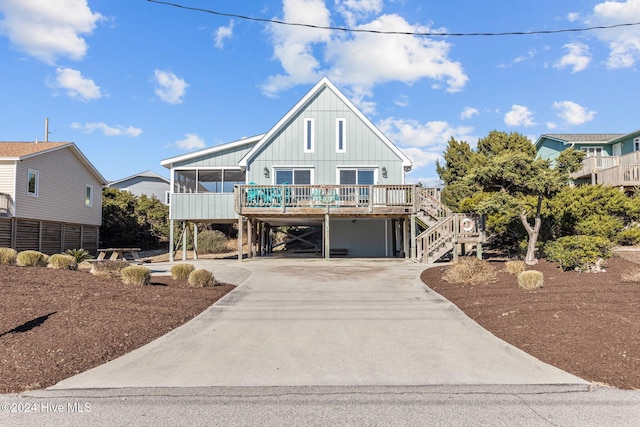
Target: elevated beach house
point(146, 183)
point(612, 158)
point(50, 197)
point(324, 164)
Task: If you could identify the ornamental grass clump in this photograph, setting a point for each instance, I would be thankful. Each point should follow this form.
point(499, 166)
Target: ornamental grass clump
point(212, 242)
point(63, 262)
point(181, 271)
point(136, 275)
point(108, 268)
point(80, 255)
point(470, 271)
point(514, 267)
point(201, 278)
point(631, 276)
point(530, 280)
point(8, 256)
point(32, 259)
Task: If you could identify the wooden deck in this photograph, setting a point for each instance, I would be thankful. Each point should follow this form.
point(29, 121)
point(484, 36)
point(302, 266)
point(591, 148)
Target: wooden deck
point(617, 171)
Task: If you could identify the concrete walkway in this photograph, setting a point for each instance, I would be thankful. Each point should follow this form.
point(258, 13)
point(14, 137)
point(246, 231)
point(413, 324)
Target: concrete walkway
point(305, 322)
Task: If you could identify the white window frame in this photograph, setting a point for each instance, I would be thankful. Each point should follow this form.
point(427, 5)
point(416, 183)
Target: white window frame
point(88, 202)
point(357, 168)
point(594, 151)
point(36, 174)
point(341, 135)
point(275, 168)
point(309, 135)
point(636, 144)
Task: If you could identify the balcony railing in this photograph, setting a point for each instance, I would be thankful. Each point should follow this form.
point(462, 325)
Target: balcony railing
point(6, 205)
point(593, 164)
point(309, 199)
point(612, 170)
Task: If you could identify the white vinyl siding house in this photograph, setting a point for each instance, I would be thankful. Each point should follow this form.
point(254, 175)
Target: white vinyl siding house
point(47, 199)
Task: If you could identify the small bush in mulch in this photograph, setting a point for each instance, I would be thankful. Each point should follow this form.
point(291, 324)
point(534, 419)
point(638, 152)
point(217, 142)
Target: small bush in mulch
point(32, 259)
point(136, 275)
point(514, 267)
point(530, 280)
point(201, 278)
point(630, 276)
point(471, 271)
point(63, 262)
point(579, 253)
point(181, 271)
point(108, 268)
point(8, 256)
point(80, 255)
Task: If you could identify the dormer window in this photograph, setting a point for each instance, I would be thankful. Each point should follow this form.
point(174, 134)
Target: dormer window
point(309, 136)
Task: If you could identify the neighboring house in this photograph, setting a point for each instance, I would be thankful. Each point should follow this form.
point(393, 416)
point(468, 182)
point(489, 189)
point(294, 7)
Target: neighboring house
point(148, 183)
point(323, 164)
point(612, 159)
point(50, 197)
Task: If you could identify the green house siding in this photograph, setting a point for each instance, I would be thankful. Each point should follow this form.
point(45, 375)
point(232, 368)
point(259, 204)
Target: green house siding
point(362, 147)
point(549, 149)
point(229, 158)
point(203, 206)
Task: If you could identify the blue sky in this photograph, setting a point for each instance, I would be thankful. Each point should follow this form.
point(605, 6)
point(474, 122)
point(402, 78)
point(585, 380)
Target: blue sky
point(134, 82)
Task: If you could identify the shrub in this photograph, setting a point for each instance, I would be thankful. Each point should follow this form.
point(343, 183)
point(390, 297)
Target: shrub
point(631, 276)
point(471, 271)
point(201, 278)
point(514, 267)
point(181, 271)
point(629, 237)
point(212, 242)
point(530, 280)
point(580, 253)
point(63, 262)
point(606, 226)
point(136, 275)
point(108, 268)
point(79, 255)
point(32, 259)
point(8, 256)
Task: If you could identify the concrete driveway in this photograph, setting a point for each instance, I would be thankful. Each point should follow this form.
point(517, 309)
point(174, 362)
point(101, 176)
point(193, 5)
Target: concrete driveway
point(306, 322)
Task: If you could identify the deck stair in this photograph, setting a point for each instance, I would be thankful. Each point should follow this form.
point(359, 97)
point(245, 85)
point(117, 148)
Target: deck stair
point(445, 229)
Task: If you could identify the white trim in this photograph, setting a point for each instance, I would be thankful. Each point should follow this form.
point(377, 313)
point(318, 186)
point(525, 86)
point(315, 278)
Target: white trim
point(324, 82)
point(309, 133)
point(311, 169)
point(37, 182)
point(342, 135)
point(357, 168)
point(168, 163)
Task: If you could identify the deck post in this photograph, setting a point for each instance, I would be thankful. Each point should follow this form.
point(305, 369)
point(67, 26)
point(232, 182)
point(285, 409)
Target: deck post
point(171, 244)
point(327, 246)
point(405, 236)
point(249, 238)
point(184, 240)
point(240, 238)
point(195, 241)
point(413, 236)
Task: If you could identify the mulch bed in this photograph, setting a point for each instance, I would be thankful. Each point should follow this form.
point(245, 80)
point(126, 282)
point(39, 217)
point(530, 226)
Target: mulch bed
point(55, 324)
point(587, 324)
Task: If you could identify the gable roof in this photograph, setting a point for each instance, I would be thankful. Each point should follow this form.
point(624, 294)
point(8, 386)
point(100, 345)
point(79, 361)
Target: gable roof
point(146, 174)
point(322, 84)
point(16, 151)
point(581, 138)
point(168, 163)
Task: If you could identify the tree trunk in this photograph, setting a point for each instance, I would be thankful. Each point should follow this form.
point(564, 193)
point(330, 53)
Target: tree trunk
point(533, 232)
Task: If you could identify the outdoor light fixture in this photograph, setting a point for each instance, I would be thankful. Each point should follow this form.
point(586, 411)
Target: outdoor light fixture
point(266, 172)
point(384, 172)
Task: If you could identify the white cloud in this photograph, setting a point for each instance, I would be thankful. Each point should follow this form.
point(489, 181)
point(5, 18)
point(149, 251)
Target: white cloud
point(428, 182)
point(48, 29)
point(107, 130)
point(170, 88)
point(468, 113)
point(223, 33)
point(191, 141)
point(355, 10)
point(573, 17)
point(578, 57)
point(572, 113)
point(349, 58)
point(76, 85)
point(552, 125)
point(529, 56)
point(402, 101)
point(420, 157)
point(624, 43)
point(519, 116)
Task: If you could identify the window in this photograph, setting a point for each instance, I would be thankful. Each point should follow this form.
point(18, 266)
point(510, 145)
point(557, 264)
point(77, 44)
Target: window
point(293, 176)
point(208, 180)
point(167, 197)
point(309, 138)
point(592, 151)
point(636, 144)
point(341, 135)
point(33, 178)
point(357, 176)
point(88, 196)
